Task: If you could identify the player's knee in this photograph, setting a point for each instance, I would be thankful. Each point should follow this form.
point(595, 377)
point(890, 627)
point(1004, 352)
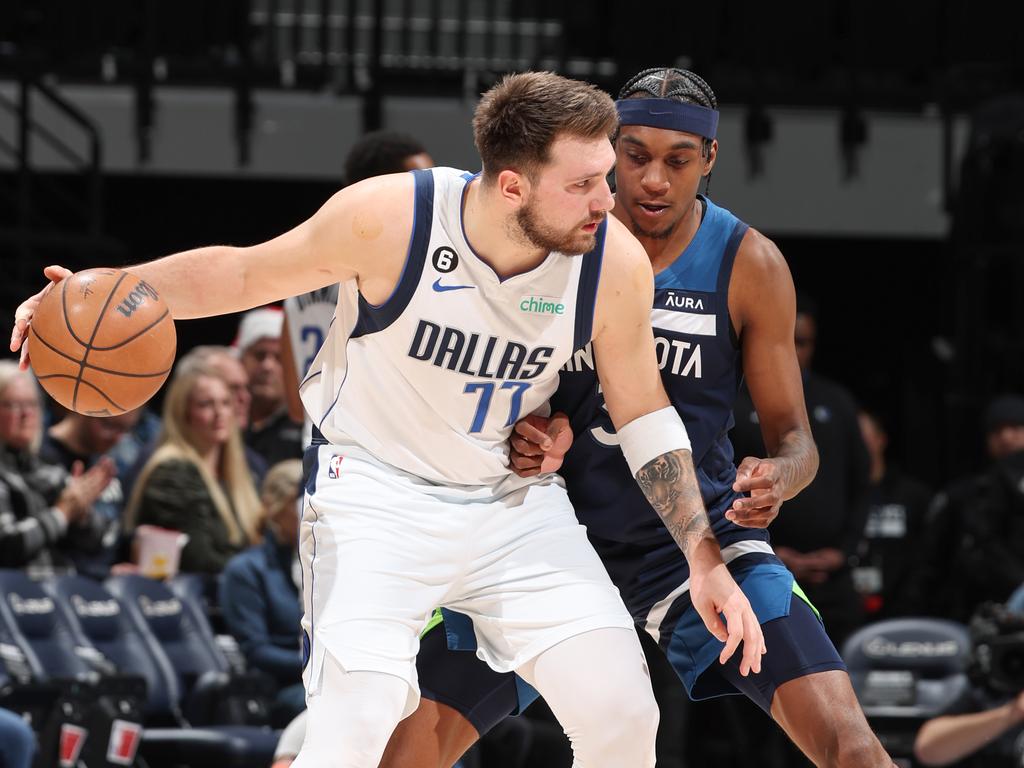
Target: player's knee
point(349, 722)
point(625, 715)
point(638, 717)
point(859, 750)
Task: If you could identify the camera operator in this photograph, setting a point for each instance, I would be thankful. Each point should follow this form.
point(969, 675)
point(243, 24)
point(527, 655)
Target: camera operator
point(987, 730)
point(944, 740)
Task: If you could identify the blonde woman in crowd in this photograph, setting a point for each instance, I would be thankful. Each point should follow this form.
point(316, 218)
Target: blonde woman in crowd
point(197, 481)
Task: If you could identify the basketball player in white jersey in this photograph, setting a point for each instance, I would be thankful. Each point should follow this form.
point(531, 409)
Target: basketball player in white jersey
point(472, 291)
point(308, 318)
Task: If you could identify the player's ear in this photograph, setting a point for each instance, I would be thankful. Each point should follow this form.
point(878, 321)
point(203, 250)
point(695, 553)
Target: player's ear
point(513, 186)
point(709, 161)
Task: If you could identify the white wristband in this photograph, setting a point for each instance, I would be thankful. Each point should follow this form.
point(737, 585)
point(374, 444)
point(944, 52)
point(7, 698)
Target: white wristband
point(652, 435)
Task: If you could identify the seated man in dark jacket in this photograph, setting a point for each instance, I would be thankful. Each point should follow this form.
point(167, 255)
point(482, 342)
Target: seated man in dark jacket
point(259, 592)
point(46, 515)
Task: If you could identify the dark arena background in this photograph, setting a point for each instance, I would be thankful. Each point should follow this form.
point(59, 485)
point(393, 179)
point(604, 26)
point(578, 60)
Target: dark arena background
point(879, 144)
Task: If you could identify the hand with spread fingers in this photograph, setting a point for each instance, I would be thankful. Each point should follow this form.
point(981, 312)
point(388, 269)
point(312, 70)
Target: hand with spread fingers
point(539, 444)
point(23, 314)
point(715, 595)
point(762, 479)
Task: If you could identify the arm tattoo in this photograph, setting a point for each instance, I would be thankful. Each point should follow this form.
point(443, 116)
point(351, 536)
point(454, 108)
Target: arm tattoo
point(800, 461)
point(670, 485)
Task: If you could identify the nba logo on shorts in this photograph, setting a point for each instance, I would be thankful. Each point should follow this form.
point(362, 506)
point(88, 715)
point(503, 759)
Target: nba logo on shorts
point(72, 739)
point(334, 467)
point(124, 742)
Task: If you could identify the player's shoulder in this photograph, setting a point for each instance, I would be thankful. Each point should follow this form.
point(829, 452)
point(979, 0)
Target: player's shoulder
point(626, 285)
point(759, 256)
point(390, 191)
point(760, 271)
point(369, 219)
point(623, 253)
point(761, 287)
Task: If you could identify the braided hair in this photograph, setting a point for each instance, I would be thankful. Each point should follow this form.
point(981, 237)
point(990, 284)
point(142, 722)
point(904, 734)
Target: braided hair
point(672, 83)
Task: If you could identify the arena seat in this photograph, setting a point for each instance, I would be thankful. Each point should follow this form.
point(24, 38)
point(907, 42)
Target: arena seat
point(906, 671)
point(227, 714)
point(91, 699)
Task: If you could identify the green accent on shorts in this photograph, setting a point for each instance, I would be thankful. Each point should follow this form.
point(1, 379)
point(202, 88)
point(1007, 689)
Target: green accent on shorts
point(803, 596)
point(436, 619)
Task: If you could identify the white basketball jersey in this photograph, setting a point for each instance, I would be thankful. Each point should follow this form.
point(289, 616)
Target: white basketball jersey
point(432, 380)
point(309, 319)
point(310, 316)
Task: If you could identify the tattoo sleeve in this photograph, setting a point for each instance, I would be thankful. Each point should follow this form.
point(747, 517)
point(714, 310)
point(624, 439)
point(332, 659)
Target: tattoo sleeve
point(670, 485)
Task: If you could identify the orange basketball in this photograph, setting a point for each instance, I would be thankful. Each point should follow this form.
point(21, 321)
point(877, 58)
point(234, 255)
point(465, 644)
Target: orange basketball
point(102, 342)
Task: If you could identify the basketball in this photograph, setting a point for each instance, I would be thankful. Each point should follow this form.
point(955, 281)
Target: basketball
point(102, 342)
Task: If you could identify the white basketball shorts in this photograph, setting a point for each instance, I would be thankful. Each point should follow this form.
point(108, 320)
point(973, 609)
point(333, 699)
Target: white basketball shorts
point(380, 549)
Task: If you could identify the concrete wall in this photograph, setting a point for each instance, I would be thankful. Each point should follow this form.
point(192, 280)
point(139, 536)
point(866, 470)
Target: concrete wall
point(800, 191)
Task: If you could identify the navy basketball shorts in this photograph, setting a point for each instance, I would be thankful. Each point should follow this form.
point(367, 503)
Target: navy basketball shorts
point(794, 635)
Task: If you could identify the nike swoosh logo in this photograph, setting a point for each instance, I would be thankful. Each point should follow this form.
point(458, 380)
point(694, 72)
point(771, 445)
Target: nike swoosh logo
point(442, 288)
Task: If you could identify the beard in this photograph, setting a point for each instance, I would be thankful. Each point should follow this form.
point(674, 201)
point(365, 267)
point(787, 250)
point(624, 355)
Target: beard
point(547, 238)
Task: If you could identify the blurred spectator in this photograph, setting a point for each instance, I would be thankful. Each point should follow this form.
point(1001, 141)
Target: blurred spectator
point(259, 591)
point(46, 514)
point(86, 440)
point(816, 534)
point(380, 152)
point(889, 550)
point(271, 431)
point(982, 737)
point(1004, 426)
point(197, 481)
point(1016, 601)
point(135, 447)
point(17, 742)
point(225, 360)
point(967, 520)
point(992, 558)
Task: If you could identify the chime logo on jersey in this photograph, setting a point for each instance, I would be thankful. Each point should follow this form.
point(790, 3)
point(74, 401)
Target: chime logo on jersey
point(541, 305)
point(334, 467)
point(72, 739)
point(124, 742)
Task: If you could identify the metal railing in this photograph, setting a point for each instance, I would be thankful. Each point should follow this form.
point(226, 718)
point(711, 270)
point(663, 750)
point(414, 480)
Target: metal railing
point(87, 165)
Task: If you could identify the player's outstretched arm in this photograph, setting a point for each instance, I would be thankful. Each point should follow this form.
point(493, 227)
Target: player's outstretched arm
point(362, 231)
point(656, 446)
point(762, 303)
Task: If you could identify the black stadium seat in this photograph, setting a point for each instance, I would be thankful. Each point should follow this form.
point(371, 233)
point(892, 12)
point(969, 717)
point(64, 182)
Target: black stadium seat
point(906, 671)
point(99, 617)
point(95, 706)
point(220, 707)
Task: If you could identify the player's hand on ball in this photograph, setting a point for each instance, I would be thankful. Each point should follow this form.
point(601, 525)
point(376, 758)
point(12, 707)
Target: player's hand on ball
point(715, 594)
point(539, 444)
point(23, 314)
point(761, 479)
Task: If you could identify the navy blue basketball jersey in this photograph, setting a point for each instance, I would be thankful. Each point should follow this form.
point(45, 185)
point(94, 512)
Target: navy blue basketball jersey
point(701, 368)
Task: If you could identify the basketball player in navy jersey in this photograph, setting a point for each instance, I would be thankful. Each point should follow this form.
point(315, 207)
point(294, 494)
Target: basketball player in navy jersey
point(472, 292)
point(724, 303)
